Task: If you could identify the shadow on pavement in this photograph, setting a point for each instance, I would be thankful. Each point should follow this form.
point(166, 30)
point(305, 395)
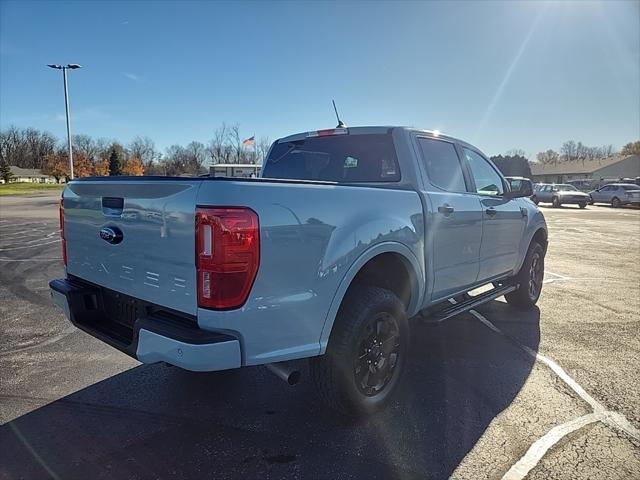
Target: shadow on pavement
point(156, 421)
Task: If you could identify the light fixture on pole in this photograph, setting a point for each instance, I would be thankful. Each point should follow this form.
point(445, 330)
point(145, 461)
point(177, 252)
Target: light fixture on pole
point(71, 66)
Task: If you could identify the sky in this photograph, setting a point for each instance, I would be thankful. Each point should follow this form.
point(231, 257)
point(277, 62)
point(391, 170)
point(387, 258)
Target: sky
point(500, 75)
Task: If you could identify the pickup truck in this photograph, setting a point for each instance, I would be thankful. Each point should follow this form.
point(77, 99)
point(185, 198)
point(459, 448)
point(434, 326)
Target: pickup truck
point(347, 234)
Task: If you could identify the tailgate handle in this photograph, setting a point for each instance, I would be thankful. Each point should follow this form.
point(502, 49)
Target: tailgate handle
point(112, 205)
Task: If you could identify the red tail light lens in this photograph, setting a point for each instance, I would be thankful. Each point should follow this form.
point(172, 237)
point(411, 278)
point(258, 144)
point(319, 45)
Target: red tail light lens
point(62, 239)
point(227, 255)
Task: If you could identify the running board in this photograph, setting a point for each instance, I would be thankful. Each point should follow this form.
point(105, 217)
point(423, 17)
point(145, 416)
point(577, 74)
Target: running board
point(470, 303)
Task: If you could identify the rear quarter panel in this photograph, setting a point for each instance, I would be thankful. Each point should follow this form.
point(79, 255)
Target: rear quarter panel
point(313, 238)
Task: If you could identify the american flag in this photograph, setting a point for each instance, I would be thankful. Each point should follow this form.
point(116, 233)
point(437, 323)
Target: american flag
point(249, 141)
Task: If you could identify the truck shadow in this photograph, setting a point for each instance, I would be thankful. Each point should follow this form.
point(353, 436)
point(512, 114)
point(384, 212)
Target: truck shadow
point(156, 421)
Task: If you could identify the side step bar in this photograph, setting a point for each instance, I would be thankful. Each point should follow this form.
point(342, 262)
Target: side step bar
point(437, 316)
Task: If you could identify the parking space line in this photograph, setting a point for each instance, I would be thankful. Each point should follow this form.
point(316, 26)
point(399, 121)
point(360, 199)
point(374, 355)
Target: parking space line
point(30, 246)
point(541, 446)
point(35, 259)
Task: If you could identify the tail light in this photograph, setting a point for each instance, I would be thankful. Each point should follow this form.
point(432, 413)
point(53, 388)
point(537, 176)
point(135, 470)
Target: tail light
point(227, 255)
point(62, 239)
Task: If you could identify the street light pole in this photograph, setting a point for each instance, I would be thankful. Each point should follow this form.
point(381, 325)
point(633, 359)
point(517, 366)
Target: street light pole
point(64, 68)
point(66, 106)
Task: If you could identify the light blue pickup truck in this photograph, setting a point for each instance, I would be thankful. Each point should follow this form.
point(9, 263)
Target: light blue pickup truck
point(348, 233)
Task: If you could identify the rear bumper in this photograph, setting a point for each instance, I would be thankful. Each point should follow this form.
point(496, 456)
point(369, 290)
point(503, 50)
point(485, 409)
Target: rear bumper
point(151, 335)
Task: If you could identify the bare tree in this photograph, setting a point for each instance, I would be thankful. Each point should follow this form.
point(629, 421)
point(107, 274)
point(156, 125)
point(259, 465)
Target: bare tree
point(263, 147)
point(568, 150)
point(218, 148)
point(196, 154)
point(236, 143)
point(144, 149)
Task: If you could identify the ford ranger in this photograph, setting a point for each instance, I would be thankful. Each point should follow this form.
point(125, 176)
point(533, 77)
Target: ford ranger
point(348, 233)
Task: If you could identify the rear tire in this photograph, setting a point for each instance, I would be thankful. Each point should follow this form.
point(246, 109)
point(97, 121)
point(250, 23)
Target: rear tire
point(583, 205)
point(529, 279)
point(366, 353)
point(615, 202)
point(555, 201)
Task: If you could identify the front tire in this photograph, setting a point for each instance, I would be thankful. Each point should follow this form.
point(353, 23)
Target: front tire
point(366, 353)
point(583, 205)
point(556, 202)
point(615, 202)
point(529, 279)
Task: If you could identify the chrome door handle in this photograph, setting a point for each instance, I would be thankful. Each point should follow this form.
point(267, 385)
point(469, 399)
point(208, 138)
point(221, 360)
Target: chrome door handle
point(491, 211)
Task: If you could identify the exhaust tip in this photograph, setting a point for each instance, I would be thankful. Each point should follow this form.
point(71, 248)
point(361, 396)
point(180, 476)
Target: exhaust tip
point(294, 377)
point(285, 372)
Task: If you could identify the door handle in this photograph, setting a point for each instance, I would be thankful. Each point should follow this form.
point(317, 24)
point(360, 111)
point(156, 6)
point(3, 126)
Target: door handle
point(491, 211)
point(446, 209)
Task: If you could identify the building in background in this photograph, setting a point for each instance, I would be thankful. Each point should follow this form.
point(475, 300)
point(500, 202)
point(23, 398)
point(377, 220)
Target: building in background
point(611, 169)
point(29, 175)
point(241, 170)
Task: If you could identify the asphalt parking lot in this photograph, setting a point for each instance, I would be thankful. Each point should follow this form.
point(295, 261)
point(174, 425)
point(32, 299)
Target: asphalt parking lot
point(549, 393)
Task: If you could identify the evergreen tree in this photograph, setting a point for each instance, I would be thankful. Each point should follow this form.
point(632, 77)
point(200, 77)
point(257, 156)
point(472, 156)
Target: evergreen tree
point(5, 172)
point(116, 159)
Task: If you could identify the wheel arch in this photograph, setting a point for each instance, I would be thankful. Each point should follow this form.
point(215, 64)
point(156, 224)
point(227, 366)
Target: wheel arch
point(388, 254)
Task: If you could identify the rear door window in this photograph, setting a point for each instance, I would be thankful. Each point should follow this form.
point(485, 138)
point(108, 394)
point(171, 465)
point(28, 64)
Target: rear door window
point(443, 165)
point(335, 158)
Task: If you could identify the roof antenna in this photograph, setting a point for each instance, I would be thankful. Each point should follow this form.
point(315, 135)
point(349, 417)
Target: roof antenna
point(340, 122)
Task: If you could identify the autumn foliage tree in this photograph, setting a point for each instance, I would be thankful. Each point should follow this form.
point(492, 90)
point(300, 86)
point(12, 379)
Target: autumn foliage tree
point(82, 166)
point(101, 168)
point(133, 167)
point(55, 164)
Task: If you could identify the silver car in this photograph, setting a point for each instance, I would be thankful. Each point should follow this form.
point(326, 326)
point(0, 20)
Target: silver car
point(616, 194)
point(560, 194)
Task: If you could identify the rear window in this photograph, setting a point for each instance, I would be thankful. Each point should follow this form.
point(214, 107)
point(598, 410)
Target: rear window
point(335, 158)
point(630, 187)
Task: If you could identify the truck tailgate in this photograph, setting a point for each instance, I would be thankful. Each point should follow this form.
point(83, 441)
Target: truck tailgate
point(152, 254)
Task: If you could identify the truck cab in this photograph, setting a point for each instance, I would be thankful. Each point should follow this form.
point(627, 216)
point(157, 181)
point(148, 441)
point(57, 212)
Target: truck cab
point(347, 234)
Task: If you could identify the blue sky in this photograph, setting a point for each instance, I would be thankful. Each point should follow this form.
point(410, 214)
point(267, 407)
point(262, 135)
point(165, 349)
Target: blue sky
point(501, 75)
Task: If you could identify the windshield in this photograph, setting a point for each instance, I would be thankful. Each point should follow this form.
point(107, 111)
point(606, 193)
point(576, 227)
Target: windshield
point(335, 158)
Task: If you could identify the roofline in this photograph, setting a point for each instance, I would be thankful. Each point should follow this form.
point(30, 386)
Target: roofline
point(381, 129)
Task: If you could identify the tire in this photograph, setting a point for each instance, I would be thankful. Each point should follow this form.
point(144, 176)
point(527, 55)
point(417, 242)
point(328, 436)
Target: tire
point(615, 202)
point(555, 201)
point(532, 270)
point(590, 200)
point(583, 205)
point(344, 375)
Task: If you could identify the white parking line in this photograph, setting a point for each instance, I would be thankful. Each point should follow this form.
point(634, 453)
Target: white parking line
point(541, 446)
point(30, 246)
point(600, 414)
point(35, 259)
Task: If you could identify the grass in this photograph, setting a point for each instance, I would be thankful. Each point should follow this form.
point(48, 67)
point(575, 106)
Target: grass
point(27, 188)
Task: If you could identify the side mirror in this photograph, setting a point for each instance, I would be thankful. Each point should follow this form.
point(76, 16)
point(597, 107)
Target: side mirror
point(520, 188)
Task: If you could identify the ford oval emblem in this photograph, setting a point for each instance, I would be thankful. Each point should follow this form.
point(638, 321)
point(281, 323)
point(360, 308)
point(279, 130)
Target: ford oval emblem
point(113, 235)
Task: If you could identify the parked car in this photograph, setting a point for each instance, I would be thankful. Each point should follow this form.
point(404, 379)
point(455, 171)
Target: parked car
point(584, 185)
point(559, 194)
point(349, 233)
point(616, 194)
